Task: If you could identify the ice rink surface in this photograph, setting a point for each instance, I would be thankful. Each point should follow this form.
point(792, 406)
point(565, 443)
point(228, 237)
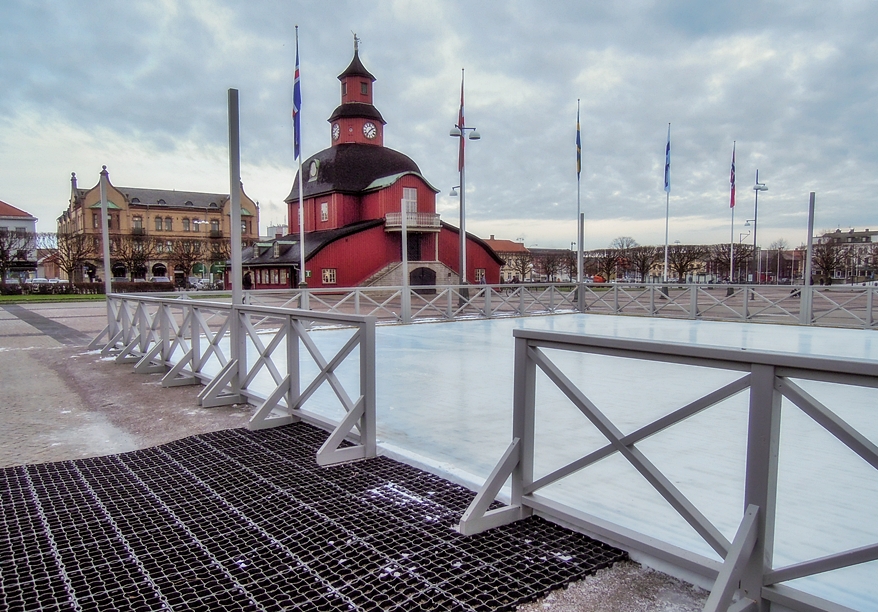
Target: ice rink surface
point(444, 397)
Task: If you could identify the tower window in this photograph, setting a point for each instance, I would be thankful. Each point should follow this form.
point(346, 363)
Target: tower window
point(364, 88)
point(324, 211)
point(410, 196)
point(344, 89)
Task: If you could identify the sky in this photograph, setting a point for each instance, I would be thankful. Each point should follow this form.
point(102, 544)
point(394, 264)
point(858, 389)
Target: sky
point(141, 87)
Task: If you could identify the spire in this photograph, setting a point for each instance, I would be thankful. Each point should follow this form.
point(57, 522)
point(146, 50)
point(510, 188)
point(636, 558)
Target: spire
point(356, 68)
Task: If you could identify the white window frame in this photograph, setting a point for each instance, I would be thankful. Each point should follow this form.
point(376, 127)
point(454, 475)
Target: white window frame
point(410, 196)
point(329, 276)
point(324, 211)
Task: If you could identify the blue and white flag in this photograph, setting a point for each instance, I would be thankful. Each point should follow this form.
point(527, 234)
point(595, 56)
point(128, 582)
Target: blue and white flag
point(668, 162)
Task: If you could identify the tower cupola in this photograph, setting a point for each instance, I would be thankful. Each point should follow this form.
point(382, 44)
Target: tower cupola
point(356, 119)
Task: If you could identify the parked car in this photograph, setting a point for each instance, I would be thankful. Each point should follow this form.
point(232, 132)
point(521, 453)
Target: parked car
point(160, 279)
point(40, 285)
point(60, 285)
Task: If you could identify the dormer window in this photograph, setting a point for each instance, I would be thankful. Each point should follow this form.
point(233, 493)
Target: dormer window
point(135, 200)
point(276, 252)
point(188, 203)
point(213, 204)
point(161, 202)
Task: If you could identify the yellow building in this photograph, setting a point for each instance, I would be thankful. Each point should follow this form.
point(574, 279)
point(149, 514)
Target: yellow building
point(178, 233)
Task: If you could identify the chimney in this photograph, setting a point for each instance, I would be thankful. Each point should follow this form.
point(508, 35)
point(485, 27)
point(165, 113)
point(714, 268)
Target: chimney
point(73, 181)
point(277, 235)
point(492, 236)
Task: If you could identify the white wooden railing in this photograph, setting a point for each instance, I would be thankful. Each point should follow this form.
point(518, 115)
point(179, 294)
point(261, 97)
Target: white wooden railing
point(238, 351)
point(746, 573)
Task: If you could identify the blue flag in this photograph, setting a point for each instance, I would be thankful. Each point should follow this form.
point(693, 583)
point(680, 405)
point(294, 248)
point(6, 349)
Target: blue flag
point(578, 144)
point(297, 106)
point(668, 162)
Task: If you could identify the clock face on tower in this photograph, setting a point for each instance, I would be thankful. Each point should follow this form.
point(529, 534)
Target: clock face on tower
point(336, 131)
point(369, 130)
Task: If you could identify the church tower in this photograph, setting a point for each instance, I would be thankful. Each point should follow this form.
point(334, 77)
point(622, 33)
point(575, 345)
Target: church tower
point(356, 120)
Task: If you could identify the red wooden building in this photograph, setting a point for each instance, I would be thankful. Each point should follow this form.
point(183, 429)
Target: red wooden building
point(353, 197)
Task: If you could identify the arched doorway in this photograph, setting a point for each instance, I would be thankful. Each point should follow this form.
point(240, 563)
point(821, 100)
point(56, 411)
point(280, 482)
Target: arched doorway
point(119, 271)
point(159, 269)
point(423, 276)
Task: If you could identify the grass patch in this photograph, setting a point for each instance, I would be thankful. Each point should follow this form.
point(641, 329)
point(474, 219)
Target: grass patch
point(38, 298)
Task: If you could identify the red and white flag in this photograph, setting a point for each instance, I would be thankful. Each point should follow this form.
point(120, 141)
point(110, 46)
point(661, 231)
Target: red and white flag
point(460, 125)
point(732, 179)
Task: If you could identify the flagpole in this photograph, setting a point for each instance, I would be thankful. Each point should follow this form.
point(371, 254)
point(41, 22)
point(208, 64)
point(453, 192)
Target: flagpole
point(297, 152)
point(462, 164)
point(667, 200)
point(580, 234)
point(732, 205)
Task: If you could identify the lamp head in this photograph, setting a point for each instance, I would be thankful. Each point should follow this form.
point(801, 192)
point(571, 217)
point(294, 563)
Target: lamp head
point(474, 135)
point(760, 187)
point(453, 193)
point(455, 132)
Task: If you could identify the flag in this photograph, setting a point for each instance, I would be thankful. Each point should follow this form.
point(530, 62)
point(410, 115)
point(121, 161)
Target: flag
point(732, 179)
point(668, 162)
point(460, 125)
point(297, 106)
point(578, 143)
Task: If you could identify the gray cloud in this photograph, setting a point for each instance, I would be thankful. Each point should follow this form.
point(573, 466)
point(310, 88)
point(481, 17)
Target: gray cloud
point(794, 83)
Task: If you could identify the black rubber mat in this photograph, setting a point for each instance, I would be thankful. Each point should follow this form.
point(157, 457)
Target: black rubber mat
point(240, 520)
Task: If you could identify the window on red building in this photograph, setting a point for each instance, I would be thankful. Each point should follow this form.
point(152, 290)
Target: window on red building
point(328, 276)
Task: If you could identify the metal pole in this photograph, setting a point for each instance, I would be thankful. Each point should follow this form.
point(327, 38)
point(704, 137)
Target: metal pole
point(462, 217)
point(405, 298)
point(755, 227)
point(579, 232)
point(105, 235)
point(235, 196)
point(732, 250)
point(580, 297)
point(805, 309)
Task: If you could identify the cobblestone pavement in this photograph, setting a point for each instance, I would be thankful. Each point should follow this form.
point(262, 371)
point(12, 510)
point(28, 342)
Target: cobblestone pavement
point(59, 401)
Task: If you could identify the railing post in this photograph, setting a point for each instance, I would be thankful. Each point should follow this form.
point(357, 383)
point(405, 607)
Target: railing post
point(869, 319)
point(652, 310)
point(615, 299)
point(488, 312)
point(524, 391)
point(367, 387)
point(194, 337)
point(760, 487)
point(521, 307)
point(294, 390)
point(745, 305)
point(693, 301)
point(357, 300)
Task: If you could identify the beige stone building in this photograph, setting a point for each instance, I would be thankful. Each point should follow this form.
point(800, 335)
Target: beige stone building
point(163, 222)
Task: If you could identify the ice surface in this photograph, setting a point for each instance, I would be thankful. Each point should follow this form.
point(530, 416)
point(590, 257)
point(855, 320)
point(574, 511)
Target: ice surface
point(444, 397)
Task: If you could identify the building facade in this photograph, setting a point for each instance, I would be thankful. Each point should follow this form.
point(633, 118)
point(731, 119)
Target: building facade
point(356, 194)
point(18, 248)
point(158, 232)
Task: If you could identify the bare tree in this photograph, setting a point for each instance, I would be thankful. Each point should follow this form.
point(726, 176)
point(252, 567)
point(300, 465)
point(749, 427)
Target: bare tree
point(623, 243)
point(186, 253)
point(549, 263)
point(605, 261)
point(134, 252)
point(71, 251)
point(521, 264)
point(828, 257)
point(568, 264)
point(14, 249)
point(682, 256)
point(643, 258)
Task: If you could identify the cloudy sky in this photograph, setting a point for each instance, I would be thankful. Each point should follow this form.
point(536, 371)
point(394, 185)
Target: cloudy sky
point(141, 86)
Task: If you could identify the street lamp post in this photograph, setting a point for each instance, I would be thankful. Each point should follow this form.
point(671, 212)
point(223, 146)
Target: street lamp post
point(459, 131)
point(756, 189)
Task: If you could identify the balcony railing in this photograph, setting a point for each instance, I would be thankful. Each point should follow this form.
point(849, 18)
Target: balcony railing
point(216, 233)
point(138, 231)
point(413, 220)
